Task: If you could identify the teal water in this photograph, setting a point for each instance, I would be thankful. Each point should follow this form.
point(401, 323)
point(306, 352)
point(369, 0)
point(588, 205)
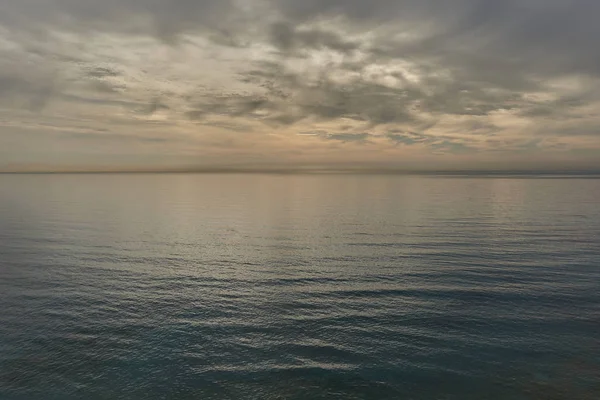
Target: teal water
point(299, 287)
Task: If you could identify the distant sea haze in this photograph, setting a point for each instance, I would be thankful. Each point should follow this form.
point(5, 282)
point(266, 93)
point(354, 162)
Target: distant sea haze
point(351, 169)
point(300, 286)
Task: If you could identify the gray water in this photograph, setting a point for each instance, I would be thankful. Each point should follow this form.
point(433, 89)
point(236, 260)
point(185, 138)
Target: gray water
point(299, 287)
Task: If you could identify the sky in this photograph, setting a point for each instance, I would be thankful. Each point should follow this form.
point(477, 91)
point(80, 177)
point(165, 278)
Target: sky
point(306, 85)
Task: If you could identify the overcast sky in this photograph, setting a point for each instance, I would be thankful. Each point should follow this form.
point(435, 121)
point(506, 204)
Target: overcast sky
point(413, 84)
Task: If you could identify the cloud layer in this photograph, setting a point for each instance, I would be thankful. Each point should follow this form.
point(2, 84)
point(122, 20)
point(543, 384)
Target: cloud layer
point(411, 84)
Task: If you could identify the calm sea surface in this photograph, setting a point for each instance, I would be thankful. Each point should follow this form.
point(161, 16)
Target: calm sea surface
point(299, 287)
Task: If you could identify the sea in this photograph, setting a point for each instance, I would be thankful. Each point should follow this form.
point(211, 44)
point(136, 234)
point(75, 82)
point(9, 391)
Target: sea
point(291, 286)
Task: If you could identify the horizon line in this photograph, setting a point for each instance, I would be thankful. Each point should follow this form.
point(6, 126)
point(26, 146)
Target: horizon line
point(310, 171)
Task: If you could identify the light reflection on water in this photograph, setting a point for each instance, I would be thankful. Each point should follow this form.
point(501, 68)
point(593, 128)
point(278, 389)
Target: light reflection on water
point(329, 286)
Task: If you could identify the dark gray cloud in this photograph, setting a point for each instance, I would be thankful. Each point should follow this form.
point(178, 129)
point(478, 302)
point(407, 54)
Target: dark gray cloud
point(534, 32)
point(163, 18)
point(289, 38)
point(102, 72)
point(560, 30)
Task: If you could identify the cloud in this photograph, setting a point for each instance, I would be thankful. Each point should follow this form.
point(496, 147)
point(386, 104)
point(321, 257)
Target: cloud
point(409, 138)
point(349, 137)
point(449, 146)
point(232, 105)
point(536, 30)
point(341, 137)
point(154, 106)
point(452, 76)
point(293, 96)
point(165, 19)
point(102, 72)
point(21, 91)
point(288, 38)
point(528, 33)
